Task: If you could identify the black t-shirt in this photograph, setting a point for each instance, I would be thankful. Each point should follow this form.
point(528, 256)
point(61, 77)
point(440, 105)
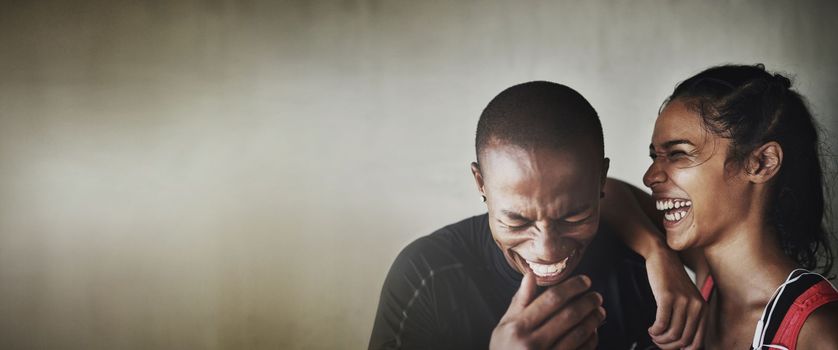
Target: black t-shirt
point(449, 290)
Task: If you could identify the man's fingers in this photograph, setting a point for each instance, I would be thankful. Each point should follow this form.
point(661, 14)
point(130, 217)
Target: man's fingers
point(554, 298)
point(580, 334)
point(569, 316)
point(526, 313)
point(525, 293)
point(591, 343)
point(662, 317)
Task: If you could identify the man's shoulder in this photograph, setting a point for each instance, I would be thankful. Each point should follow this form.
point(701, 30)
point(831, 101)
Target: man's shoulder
point(428, 285)
point(465, 230)
point(619, 274)
point(608, 250)
point(453, 244)
point(612, 257)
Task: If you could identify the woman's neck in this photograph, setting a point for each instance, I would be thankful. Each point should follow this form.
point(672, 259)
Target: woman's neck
point(747, 265)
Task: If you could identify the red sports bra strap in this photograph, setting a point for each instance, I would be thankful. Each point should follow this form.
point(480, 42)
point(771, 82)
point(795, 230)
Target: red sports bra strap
point(707, 288)
point(818, 295)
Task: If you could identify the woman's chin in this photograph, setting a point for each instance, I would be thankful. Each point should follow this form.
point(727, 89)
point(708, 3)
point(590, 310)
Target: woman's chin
point(678, 241)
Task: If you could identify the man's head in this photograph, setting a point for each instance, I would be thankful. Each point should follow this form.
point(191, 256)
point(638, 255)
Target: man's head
point(541, 167)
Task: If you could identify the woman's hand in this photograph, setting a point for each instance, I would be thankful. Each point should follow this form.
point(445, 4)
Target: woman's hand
point(679, 322)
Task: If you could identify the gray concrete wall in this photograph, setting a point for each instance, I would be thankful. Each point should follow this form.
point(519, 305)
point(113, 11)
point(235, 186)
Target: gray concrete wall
point(240, 174)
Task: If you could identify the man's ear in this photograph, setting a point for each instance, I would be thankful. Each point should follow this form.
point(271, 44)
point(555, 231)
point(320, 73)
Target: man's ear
point(764, 162)
point(605, 164)
point(478, 177)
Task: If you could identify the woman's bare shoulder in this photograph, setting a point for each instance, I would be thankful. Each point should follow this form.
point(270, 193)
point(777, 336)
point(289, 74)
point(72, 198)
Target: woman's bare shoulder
point(820, 331)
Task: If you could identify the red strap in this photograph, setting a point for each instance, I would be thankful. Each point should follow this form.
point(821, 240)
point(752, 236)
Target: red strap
point(814, 297)
point(707, 288)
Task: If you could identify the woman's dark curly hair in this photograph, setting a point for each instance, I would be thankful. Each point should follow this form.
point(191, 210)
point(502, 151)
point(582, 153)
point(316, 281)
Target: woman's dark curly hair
point(750, 107)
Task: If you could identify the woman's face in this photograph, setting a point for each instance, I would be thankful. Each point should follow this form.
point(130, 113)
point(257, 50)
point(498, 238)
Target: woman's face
point(689, 183)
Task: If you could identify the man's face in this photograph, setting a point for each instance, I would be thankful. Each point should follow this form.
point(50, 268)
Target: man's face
point(543, 206)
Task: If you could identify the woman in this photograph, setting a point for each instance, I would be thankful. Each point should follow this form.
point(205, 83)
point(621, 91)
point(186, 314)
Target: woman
point(736, 174)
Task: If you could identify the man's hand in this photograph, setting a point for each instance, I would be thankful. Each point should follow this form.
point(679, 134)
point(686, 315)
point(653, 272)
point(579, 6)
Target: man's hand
point(563, 317)
point(679, 322)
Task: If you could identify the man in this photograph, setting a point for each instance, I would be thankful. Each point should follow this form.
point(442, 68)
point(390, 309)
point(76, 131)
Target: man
point(538, 270)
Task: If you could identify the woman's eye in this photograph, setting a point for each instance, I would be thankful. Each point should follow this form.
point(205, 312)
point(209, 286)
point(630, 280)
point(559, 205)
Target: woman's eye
point(653, 156)
point(677, 154)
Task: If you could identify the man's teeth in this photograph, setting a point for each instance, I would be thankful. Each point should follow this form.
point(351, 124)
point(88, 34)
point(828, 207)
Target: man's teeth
point(672, 203)
point(548, 270)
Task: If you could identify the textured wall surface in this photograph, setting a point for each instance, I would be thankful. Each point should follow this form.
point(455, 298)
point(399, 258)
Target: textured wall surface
point(240, 174)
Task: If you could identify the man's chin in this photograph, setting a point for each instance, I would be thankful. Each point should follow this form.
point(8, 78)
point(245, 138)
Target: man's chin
point(551, 280)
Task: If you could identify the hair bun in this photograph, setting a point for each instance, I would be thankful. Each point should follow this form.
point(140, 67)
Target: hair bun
point(780, 79)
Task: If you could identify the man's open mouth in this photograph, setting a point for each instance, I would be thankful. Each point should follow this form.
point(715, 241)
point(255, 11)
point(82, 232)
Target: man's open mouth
point(549, 270)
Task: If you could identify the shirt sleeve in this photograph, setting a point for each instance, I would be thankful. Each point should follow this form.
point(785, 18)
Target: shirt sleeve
point(406, 317)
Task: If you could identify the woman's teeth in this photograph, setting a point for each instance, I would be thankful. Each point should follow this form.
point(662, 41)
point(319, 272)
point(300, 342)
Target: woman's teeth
point(672, 203)
point(548, 270)
point(673, 215)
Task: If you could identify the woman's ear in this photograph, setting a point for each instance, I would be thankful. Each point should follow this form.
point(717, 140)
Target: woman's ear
point(764, 162)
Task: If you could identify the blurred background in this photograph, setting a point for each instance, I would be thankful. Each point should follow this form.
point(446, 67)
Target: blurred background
point(240, 174)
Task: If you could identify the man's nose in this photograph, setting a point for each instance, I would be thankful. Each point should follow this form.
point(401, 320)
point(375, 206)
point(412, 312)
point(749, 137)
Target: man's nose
point(548, 243)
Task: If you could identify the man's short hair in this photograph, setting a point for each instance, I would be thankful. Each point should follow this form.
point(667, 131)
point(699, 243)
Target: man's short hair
point(540, 114)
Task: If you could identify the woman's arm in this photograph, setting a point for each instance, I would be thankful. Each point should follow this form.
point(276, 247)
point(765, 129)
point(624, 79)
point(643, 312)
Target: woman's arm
point(633, 215)
point(631, 212)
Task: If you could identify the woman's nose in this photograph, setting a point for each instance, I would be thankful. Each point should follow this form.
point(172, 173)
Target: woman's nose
point(654, 175)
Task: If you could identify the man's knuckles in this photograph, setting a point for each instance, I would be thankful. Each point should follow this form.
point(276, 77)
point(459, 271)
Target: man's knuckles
point(583, 331)
point(576, 311)
point(560, 294)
